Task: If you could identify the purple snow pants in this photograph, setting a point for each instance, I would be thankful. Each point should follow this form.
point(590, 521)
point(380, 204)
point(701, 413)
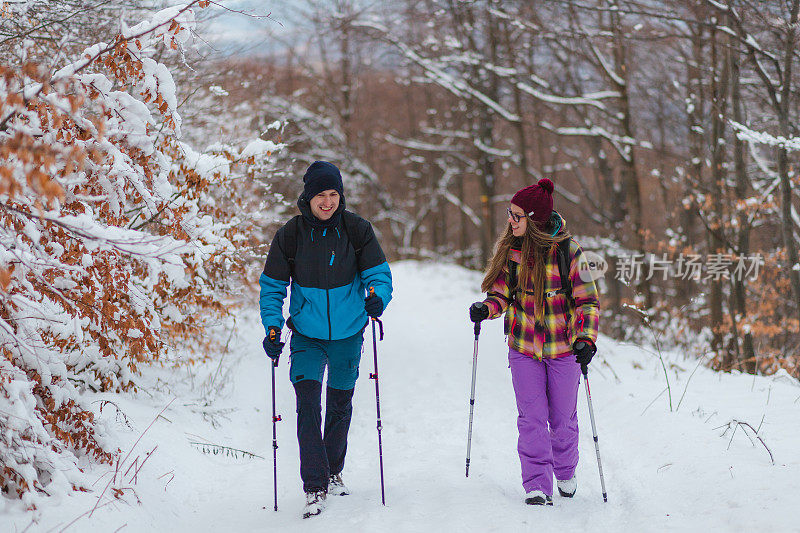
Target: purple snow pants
point(547, 394)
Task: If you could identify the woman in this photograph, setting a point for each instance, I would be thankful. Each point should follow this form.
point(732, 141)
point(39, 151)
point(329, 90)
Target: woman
point(545, 325)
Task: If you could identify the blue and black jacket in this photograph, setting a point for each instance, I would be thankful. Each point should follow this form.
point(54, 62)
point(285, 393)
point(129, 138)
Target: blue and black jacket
point(329, 279)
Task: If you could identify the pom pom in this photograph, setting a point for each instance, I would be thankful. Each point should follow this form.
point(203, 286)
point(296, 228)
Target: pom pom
point(546, 184)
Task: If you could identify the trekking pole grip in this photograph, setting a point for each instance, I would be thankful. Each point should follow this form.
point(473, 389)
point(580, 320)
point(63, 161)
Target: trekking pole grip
point(376, 319)
point(477, 329)
point(272, 339)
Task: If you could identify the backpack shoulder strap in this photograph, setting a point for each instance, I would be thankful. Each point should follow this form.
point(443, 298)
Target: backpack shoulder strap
point(350, 223)
point(563, 269)
point(513, 280)
point(290, 241)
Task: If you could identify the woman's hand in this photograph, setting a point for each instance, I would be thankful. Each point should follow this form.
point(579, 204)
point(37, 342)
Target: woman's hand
point(478, 312)
point(584, 349)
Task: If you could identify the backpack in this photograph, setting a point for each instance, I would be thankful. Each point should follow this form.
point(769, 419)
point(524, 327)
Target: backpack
point(293, 226)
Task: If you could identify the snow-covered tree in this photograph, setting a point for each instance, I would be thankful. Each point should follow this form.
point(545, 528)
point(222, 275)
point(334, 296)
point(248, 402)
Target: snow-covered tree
point(118, 239)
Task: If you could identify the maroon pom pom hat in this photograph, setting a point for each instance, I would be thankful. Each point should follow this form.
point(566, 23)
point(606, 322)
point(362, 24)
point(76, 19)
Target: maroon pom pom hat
point(536, 201)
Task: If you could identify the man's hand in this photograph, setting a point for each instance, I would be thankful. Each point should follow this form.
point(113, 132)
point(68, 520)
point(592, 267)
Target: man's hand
point(478, 312)
point(373, 305)
point(273, 345)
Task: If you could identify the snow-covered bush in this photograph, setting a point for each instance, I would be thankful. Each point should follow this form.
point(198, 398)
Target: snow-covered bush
point(115, 237)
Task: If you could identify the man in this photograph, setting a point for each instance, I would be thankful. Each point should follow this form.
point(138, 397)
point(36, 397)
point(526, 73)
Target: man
point(331, 258)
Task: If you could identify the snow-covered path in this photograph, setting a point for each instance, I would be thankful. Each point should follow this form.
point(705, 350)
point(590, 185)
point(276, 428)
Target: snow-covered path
point(664, 470)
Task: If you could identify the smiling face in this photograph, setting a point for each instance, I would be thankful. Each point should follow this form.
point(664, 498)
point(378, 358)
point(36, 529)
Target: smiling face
point(518, 227)
point(325, 204)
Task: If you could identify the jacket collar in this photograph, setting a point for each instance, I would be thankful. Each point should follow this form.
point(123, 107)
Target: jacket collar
point(556, 224)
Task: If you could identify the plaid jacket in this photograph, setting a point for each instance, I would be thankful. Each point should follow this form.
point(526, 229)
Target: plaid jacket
point(553, 338)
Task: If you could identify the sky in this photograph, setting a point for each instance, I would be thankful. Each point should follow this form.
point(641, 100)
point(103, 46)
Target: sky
point(247, 26)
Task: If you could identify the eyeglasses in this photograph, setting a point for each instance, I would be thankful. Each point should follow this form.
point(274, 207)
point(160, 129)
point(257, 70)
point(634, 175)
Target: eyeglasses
point(515, 217)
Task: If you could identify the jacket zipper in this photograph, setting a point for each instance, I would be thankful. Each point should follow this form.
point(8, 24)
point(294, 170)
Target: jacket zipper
point(328, 297)
point(513, 302)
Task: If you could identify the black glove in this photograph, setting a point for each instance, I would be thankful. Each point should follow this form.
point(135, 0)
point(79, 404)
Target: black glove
point(373, 305)
point(273, 345)
point(584, 349)
point(478, 312)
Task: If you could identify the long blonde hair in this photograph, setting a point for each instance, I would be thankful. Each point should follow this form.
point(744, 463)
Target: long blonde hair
point(536, 247)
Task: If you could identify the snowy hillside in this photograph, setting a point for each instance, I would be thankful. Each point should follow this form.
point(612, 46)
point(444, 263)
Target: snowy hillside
point(664, 470)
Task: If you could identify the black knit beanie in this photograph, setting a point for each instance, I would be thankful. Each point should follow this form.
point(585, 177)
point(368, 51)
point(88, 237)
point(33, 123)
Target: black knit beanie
point(321, 176)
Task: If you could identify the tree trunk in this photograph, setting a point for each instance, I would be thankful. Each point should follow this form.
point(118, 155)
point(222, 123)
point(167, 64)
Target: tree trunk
point(630, 177)
point(784, 110)
point(696, 95)
point(746, 354)
point(719, 76)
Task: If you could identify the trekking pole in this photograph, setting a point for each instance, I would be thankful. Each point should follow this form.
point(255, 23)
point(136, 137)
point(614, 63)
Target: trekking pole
point(585, 370)
point(377, 392)
point(472, 394)
point(275, 420)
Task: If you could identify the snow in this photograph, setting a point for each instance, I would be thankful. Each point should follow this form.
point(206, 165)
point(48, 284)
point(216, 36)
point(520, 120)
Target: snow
point(590, 100)
point(217, 90)
point(675, 471)
point(483, 147)
point(620, 143)
point(260, 148)
point(607, 67)
point(159, 24)
point(275, 125)
point(760, 137)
